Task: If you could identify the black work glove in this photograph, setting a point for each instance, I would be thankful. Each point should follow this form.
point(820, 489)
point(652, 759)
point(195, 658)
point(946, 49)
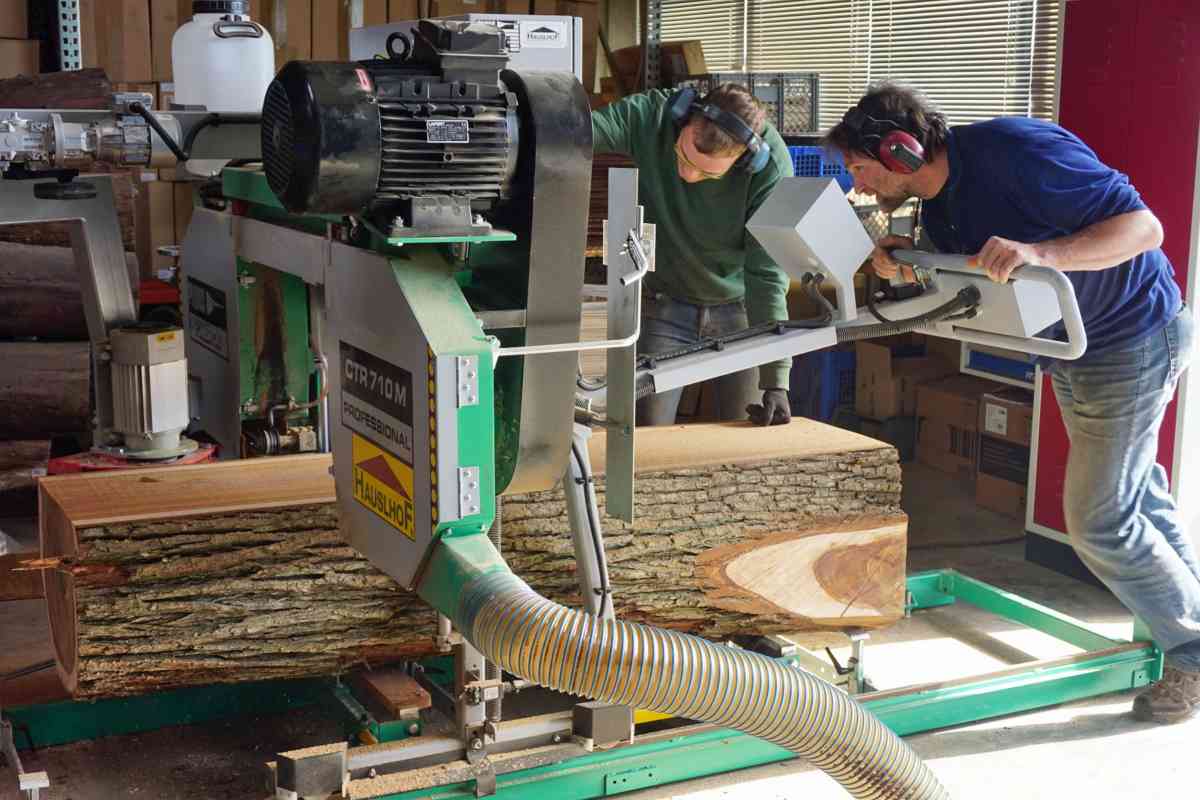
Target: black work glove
point(775, 408)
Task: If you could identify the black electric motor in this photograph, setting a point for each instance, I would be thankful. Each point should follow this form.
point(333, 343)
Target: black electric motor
point(428, 134)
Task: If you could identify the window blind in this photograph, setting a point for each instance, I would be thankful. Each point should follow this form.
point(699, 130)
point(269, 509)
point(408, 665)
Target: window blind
point(976, 59)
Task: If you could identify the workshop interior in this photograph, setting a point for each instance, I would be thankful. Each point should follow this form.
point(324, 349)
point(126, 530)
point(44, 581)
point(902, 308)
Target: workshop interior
point(359, 432)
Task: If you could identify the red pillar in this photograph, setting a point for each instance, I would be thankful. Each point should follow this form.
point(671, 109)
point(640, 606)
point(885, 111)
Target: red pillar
point(1131, 91)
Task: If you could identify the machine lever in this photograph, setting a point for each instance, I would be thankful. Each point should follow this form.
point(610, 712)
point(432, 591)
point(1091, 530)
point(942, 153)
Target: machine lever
point(1064, 290)
point(633, 246)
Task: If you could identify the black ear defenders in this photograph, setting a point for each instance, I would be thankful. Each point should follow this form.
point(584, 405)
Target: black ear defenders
point(898, 150)
point(683, 104)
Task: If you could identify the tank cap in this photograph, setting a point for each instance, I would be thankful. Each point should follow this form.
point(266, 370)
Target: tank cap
point(220, 6)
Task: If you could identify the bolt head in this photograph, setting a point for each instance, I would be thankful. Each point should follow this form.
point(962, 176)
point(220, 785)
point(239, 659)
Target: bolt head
point(414, 729)
point(476, 744)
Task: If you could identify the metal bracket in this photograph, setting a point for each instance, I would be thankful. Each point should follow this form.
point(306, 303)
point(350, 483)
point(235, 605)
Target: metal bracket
point(31, 783)
point(468, 491)
point(468, 381)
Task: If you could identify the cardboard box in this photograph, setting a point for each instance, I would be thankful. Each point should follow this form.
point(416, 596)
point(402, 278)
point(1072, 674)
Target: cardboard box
point(19, 57)
point(680, 59)
point(290, 25)
point(14, 19)
point(154, 224)
point(330, 30)
point(184, 204)
point(1005, 427)
point(399, 10)
point(123, 40)
point(948, 413)
point(166, 16)
point(889, 371)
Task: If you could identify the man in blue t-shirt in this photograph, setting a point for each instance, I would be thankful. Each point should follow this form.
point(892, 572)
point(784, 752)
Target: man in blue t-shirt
point(1015, 191)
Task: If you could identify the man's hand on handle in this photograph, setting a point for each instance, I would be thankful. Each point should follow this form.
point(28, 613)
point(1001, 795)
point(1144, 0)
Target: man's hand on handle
point(775, 408)
point(999, 257)
point(882, 262)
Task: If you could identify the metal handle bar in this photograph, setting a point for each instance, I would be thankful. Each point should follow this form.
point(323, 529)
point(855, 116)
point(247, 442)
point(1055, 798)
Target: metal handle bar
point(1064, 290)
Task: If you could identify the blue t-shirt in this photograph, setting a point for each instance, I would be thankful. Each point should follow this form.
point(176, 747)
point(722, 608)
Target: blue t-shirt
point(1030, 181)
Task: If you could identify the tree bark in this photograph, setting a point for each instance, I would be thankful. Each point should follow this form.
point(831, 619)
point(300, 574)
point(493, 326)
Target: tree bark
point(40, 292)
point(46, 388)
point(84, 88)
point(236, 571)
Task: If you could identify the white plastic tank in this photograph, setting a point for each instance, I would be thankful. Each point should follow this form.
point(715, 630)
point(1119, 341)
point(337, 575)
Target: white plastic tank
point(223, 61)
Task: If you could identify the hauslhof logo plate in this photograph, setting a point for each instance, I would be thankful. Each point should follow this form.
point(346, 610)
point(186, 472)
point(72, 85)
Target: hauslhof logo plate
point(384, 485)
point(377, 398)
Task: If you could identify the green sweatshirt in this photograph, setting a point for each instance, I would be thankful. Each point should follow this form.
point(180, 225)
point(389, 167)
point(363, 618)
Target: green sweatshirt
point(704, 254)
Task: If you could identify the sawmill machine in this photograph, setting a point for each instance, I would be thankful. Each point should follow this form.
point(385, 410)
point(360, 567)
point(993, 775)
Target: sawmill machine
point(432, 207)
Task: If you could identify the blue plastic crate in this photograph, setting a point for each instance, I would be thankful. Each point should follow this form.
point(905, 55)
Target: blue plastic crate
point(821, 382)
point(810, 161)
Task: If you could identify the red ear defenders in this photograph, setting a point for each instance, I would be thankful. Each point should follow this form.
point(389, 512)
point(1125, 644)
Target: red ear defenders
point(898, 150)
point(758, 153)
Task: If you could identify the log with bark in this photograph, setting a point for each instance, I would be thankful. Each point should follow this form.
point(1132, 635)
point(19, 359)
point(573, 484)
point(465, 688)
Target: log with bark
point(40, 295)
point(82, 89)
point(46, 388)
point(236, 571)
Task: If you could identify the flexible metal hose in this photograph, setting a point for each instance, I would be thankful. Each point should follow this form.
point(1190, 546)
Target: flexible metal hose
point(494, 709)
point(678, 674)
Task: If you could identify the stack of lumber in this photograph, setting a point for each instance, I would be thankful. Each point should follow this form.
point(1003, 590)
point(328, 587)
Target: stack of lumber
point(236, 571)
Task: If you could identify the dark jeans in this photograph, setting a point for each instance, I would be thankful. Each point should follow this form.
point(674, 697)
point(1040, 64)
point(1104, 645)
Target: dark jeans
point(668, 323)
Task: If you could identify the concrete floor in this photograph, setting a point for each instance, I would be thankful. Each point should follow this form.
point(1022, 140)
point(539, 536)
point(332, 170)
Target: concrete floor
point(1090, 749)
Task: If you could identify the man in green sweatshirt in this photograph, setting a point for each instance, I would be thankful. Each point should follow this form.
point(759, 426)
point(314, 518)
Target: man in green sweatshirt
point(699, 186)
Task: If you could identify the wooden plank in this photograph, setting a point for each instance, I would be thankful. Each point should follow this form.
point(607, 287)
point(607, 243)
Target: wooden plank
point(102, 498)
point(665, 448)
point(394, 690)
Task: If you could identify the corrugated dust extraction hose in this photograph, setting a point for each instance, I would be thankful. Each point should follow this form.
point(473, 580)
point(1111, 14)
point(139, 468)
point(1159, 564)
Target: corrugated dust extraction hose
point(674, 673)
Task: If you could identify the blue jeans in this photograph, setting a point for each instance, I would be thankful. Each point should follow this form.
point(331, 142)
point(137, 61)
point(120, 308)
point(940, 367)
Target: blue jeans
point(1121, 518)
point(668, 323)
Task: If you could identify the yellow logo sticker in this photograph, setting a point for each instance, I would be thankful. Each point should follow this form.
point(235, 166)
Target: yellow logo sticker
point(384, 484)
point(162, 338)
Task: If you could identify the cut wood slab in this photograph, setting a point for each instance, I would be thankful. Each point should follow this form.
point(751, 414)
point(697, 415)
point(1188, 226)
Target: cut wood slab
point(236, 571)
point(46, 388)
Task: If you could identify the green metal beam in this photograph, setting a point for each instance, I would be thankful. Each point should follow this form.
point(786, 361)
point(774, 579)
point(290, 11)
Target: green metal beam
point(710, 752)
point(72, 721)
point(1024, 612)
point(925, 591)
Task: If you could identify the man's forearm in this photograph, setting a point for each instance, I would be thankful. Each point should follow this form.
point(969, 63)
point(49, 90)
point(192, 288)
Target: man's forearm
point(1105, 244)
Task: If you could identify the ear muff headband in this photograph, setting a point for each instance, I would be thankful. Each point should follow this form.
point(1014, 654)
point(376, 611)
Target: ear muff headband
point(898, 150)
point(757, 154)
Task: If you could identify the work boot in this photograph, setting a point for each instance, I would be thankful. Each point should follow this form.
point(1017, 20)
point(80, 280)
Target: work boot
point(1173, 699)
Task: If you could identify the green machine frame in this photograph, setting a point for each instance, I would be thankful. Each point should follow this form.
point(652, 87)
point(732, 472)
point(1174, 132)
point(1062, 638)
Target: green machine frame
point(679, 753)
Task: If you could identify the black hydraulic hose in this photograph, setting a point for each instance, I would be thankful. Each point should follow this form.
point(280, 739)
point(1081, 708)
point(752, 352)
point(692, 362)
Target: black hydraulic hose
point(585, 473)
point(966, 299)
point(685, 676)
point(872, 289)
point(211, 120)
